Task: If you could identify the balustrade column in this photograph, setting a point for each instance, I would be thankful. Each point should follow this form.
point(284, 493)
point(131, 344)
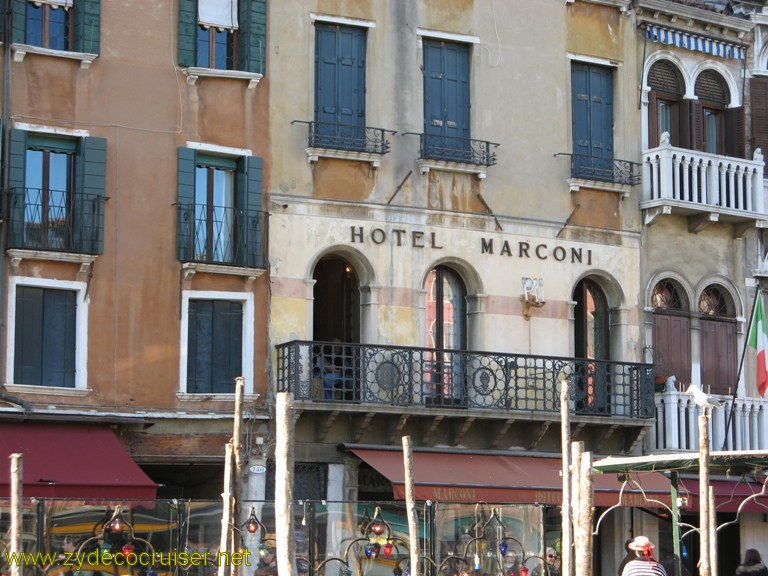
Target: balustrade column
point(687, 193)
point(729, 190)
point(671, 421)
point(666, 173)
point(758, 188)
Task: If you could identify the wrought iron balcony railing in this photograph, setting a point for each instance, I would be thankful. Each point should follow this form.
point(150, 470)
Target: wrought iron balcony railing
point(346, 137)
point(604, 169)
point(426, 377)
point(453, 149)
point(222, 235)
point(56, 220)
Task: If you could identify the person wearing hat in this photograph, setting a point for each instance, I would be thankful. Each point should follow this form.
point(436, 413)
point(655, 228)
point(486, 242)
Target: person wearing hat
point(644, 563)
point(550, 568)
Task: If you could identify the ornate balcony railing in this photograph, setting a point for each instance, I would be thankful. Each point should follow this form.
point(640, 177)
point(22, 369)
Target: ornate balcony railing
point(703, 180)
point(677, 424)
point(453, 149)
point(222, 235)
point(426, 377)
point(347, 138)
point(610, 170)
point(56, 220)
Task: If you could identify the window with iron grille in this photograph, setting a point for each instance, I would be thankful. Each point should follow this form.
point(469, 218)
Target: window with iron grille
point(57, 192)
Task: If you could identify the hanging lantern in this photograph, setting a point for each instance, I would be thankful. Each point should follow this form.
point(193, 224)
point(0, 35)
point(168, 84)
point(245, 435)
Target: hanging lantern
point(129, 548)
point(523, 571)
point(376, 550)
point(503, 548)
point(387, 548)
point(368, 550)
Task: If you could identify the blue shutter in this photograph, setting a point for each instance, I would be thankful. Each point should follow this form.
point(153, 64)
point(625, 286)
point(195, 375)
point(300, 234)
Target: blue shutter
point(340, 85)
point(186, 204)
point(580, 97)
point(91, 182)
point(198, 357)
point(252, 17)
point(187, 33)
point(601, 115)
point(28, 339)
point(446, 101)
point(592, 110)
point(87, 15)
point(19, 21)
point(17, 178)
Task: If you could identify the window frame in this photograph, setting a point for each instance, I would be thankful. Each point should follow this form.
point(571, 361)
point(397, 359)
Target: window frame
point(81, 328)
point(247, 300)
point(45, 27)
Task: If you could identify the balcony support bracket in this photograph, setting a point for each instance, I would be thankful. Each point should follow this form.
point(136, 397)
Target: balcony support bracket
point(653, 213)
point(699, 222)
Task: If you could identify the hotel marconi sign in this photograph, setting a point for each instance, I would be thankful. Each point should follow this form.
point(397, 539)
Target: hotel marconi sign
point(422, 239)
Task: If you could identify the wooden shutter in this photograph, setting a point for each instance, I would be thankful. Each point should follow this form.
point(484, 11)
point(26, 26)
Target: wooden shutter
point(434, 117)
point(185, 196)
point(351, 76)
point(697, 125)
point(227, 345)
point(198, 325)
point(456, 90)
point(45, 337)
point(87, 25)
point(718, 356)
point(601, 111)
point(252, 35)
point(672, 345)
point(759, 103)
point(735, 132)
point(653, 120)
point(19, 21)
point(187, 33)
point(582, 145)
point(251, 227)
point(17, 183)
point(91, 181)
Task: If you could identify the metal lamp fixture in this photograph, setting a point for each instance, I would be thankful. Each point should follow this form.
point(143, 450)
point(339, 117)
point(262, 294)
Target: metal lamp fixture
point(533, 295)
point(253, 524)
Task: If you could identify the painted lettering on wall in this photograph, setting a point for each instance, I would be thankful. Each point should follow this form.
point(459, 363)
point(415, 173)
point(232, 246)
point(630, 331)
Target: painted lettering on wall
point(425, 239)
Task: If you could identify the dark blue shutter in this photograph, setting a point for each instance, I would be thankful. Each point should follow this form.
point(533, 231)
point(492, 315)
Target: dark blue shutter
point(592, 111)
point(446, 101)
point(214, 352)
point(187, 33)
point(19, 21)
point(91, 182)
point(340, 85)
point(87, 15)
point(250, 226)
point(252, 18)
point(186, 204)
point(45, 337)
point(17, 179)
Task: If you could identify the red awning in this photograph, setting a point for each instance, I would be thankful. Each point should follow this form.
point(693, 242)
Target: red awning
point(71, 461)
point(729, 494)
point(462, 477)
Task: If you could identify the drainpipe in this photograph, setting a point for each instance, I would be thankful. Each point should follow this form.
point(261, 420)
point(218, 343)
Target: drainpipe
point(4, 192)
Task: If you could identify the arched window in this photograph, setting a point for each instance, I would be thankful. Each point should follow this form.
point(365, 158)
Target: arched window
point(671, 331)
point(592, 337)
point(714, 97)
point(446, 332)
point(719, 358)
point(665, 103)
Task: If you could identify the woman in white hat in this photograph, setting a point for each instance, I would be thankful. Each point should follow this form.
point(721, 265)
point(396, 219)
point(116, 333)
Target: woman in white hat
point(644, 564)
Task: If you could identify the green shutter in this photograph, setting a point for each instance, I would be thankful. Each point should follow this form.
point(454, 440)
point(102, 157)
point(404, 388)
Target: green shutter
point(17, 184)
point(252, 18)
point(87, 26)
point(255, 234)
point(187, 32)
point(186, 204)
point(90, 188)
point(19, 21)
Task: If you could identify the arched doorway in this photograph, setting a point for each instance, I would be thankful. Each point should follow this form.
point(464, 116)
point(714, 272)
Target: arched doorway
point(336, 306)
point(592, 342)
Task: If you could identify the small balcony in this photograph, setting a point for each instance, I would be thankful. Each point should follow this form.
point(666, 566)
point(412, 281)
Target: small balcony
point(455, 154)
point(55, 221)
point(677, 424)
point(704, 187)
point(591, 169)
point(346, 142)
point(519, 394)
point(222, 236)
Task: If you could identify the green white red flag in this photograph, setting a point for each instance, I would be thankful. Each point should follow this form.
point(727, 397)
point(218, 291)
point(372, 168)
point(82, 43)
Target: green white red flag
point(758, 339)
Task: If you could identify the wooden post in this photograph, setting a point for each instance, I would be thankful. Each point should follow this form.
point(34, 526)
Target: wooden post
point(566, 514)
point(284, 458)
point(226, 514)
point(410, 507)
point(17, 509)
point(577, 449)
point(704, 511)
point(238, 474)
point(712, 532)
point(585, 514)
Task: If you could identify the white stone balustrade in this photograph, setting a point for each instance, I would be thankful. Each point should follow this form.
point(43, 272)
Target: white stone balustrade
point(709, 180)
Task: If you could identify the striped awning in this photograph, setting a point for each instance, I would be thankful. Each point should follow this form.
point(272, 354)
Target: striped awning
point(689, 41)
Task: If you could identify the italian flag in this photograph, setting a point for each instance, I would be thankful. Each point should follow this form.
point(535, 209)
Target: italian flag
point(758, 339)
